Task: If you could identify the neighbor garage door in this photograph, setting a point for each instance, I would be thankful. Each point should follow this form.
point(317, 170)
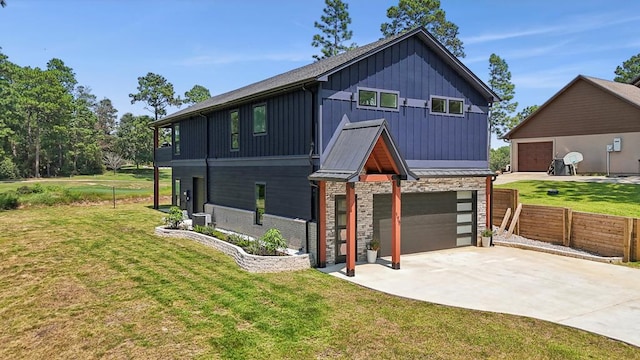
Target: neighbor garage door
point(535, 156)
point(430, 221)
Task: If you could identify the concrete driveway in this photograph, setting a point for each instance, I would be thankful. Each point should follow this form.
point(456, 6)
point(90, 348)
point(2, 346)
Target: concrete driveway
point(597, 297)
point(517, 176)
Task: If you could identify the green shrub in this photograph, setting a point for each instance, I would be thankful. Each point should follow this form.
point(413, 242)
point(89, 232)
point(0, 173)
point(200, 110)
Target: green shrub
point(8, 170)
point(9, 200)
point(174, 218)
point(26, 190)
point(272, 240)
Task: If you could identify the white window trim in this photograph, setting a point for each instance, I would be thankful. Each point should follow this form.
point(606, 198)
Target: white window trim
point(446, 99)
point(378, 92)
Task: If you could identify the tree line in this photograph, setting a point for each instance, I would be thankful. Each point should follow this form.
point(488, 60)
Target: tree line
point(52, 126)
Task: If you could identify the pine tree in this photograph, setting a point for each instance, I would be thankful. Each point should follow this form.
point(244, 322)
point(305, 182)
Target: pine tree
point(334, 26)
point(410, 14)
point(629, 70)
point(500, 119)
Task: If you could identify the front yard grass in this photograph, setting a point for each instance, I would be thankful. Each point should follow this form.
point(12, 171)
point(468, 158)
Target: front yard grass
point(129, 183)
point(86, 282)
point(601, 198)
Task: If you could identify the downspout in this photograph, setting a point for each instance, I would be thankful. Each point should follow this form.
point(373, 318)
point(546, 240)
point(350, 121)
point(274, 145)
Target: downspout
point(315, 193)
point(206, 161)
point(493, 178)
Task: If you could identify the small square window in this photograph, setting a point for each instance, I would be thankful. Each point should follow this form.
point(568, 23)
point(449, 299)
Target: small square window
point(367, 98)
point(388, 100)
point(456, 107)
point(438, 105)
point(260, 119)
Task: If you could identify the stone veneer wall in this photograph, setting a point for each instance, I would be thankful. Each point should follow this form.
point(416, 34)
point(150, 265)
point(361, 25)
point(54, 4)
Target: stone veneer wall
point(249, 262)
point(365, 191)
point(242, 221)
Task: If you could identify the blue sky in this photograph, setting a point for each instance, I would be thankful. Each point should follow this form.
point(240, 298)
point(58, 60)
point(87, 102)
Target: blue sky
point(224, 45)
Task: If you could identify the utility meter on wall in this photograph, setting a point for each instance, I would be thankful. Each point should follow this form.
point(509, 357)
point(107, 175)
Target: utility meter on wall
point(617, 144)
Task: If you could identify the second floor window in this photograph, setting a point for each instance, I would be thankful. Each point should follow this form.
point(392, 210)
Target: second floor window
point(260, 119)
point(445, 105)
point(235, 129)
point(176, 139)
point(376, 99)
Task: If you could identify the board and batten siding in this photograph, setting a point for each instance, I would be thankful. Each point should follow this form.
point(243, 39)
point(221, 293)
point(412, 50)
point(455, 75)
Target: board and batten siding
point(193, 139)
point(288, 193)
point(288, 128)
point(414, 70)
point(582, 109)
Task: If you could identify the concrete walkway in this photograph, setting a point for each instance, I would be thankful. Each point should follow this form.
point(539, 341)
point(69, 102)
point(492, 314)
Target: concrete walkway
point(597, 297)
point(517, 176)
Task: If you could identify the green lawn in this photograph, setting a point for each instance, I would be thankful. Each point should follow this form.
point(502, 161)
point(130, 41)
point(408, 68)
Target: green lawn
point(128, 183)
point(612, 199)
point(92, 281)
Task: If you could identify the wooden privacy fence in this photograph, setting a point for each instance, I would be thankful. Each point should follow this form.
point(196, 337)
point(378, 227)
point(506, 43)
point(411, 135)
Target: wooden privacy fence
point(606, 235)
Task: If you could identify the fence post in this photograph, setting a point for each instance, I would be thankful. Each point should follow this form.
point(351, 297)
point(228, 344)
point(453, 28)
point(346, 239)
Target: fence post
point(516, 202)
point(568, 215)
point(636, 244)
point(628, 231)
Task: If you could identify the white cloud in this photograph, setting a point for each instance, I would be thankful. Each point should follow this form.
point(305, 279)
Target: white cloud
point(570, 25)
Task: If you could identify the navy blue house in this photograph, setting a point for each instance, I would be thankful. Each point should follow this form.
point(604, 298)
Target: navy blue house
point(326, 152)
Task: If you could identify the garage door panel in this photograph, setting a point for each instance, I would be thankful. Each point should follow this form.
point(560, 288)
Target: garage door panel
point(535, 156)
point(428, 222)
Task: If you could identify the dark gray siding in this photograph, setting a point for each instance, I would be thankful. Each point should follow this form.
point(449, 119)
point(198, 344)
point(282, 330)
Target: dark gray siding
point(288, 192)
point(186, 175)
point(193, 138)
point(288, 128)
point(417, 73)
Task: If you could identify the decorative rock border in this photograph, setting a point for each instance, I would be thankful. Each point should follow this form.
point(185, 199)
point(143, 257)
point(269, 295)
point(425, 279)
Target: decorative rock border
point(248, 262)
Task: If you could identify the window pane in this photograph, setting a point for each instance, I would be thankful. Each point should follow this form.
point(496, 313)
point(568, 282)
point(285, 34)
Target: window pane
point(235, 130)
point(176, 139)
point(176, 191)
point(464, 195)
point(260, 200)
point(388, 100)
point(438, 105)
point(464, 218)
point(367, 98)
point(462, 241)
point(464, 206)
point(259, 119)
point(455, 107)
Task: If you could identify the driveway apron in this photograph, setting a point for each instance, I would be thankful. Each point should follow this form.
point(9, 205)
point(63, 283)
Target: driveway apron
point(597, 297)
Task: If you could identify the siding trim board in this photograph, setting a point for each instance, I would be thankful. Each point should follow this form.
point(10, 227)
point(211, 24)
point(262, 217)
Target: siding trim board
point(298, 160)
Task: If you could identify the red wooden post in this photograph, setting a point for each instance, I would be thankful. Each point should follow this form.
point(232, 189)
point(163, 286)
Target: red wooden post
point(322, 224)
point(396, 214)
point(156, 173)
point(488, 200)
point(351, 229)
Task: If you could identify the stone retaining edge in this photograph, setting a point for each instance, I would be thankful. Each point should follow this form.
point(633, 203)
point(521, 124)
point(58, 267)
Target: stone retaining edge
point(248, 262)
point(608, 260)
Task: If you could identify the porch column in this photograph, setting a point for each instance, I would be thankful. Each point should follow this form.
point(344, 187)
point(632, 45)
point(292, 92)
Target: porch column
point(322, 224)
point(396, 215)
point(351, 229)
point(489, 197)
point(156, 173)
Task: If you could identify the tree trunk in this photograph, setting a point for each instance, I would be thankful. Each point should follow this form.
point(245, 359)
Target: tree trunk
point(37, 162)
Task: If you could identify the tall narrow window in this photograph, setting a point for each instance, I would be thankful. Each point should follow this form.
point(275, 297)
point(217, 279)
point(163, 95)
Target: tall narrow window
point(260, 197)
point(176, 139)
point(260, 119)
point(235, 130)
point(176, 191)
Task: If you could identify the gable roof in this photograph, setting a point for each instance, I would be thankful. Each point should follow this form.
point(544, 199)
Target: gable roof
point(355, 145)
point(320, 70)
point(626, 92)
